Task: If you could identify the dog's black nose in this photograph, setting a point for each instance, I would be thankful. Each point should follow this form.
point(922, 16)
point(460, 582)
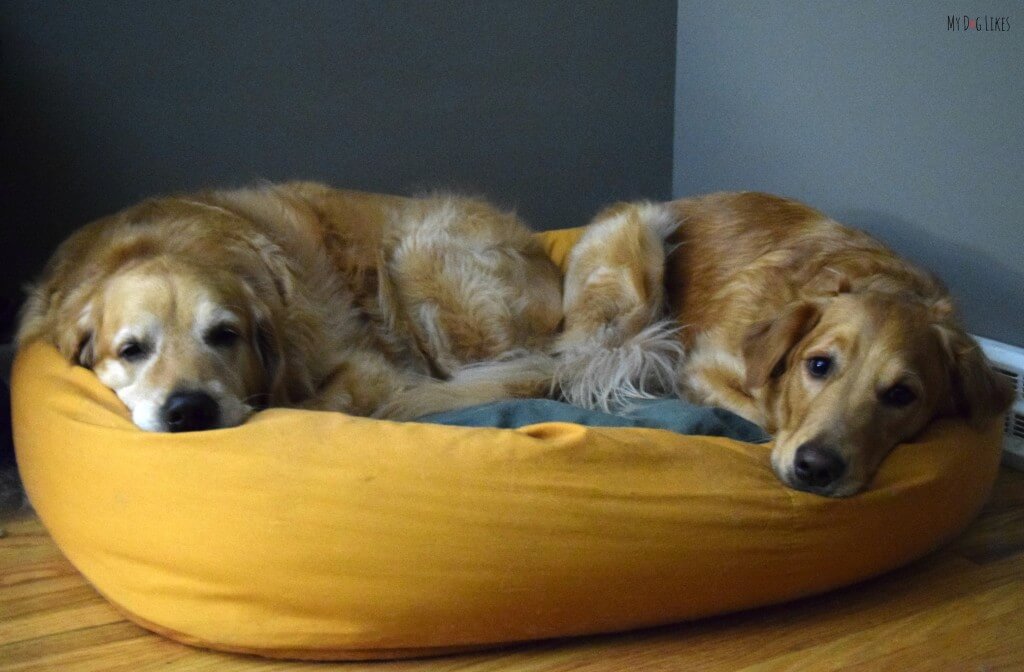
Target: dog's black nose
point(818, 466)
point(190, 411)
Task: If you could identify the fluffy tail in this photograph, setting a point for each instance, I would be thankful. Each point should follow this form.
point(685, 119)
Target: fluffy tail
point(617, 345)
point(519, 374)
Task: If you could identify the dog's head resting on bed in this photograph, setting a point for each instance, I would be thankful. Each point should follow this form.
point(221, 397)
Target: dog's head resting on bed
point(847, 377)
point(182, 331)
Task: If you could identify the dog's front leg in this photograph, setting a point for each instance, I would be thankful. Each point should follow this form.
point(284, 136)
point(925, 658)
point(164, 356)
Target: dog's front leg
point(359, 384)
point(713, 377)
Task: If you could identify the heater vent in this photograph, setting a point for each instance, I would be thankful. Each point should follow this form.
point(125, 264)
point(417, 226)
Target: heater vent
point(1012, 377)
point(1008, 362)
point(1015, 425)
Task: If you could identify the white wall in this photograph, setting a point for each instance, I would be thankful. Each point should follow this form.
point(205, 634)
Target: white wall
point(876, 113)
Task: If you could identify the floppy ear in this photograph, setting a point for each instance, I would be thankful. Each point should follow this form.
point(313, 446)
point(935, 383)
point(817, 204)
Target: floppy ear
point(268, 281)
point(288, 380)
point(268, 345)
point(75, 339)
point(66, 321)
point(73, 330)
point(979, 393)
point(767, 343)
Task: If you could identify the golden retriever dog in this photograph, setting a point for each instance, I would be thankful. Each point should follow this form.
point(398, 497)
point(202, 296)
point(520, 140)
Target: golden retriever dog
point(196, 310)
point(813, 331)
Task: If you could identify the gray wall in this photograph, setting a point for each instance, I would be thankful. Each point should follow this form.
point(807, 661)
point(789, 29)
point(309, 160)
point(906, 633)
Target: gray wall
point(874, 112)
point(551, 107)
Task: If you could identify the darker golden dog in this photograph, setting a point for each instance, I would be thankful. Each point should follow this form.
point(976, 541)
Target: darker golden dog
point(812, 330)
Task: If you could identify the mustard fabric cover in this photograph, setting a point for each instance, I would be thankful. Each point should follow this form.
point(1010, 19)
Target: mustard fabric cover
point(319, 535)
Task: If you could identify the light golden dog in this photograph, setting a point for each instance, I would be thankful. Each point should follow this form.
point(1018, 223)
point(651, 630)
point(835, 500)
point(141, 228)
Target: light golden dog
point(196, 310)
point(812, 330)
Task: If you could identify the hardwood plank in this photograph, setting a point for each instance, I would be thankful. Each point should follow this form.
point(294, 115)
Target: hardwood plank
point(70, 617)
point(40, 586)
point(47, 648)
point(997, 535)
point(58, 600)
point(728, 642)
point(935, 629)
point(991, 645)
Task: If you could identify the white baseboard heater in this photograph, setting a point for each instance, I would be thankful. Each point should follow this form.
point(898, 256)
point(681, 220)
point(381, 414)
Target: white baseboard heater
point(1008, 361)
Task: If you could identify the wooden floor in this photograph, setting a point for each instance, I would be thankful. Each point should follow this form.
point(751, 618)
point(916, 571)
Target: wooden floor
point(960, 609)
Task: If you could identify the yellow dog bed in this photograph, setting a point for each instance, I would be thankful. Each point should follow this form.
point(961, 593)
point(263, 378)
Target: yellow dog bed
point(319, 535)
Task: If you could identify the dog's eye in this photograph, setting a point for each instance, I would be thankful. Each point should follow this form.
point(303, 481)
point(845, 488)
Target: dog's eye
point(132, 351)
point(898, 396)
point(222, 336)
point(819, 367)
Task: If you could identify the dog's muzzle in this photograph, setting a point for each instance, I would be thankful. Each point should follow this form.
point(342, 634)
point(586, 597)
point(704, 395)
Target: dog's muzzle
point(190, 411)
point(817, 468)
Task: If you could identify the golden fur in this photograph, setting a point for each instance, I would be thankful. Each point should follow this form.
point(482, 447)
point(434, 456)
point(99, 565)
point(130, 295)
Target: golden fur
point(769, 293)
point(301, 295)
point(613, 348)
